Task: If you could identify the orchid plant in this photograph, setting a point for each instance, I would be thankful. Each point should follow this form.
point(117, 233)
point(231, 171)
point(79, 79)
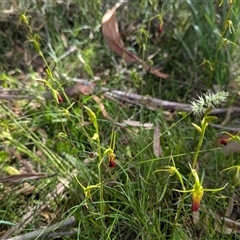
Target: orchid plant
point(201, 106)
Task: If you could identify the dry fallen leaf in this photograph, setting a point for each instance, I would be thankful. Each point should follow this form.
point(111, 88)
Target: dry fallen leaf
point(102, 108)
point(156, 72)
point(112, 37)
point(157, 149)
point(79, 88)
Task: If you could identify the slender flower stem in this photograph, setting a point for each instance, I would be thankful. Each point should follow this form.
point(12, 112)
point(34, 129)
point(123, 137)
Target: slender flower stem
point(199, 145)
point(177, 216)
point(100, 179)
point(101, 192)
point(223, 33)
point(96, 137)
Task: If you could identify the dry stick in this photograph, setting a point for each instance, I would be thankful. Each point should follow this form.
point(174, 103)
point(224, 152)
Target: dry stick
point(154, 103)
point(225, 128)
point(22, 177)
point(25, 163)
point(48, 232)
point(29, 216)
point(13, 96)
point(62, 233)
point(225, 223)
point(147, 101)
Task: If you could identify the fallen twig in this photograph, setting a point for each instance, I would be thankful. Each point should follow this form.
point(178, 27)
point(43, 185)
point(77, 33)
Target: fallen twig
point(22, 177)
point(224, 224)
point(32, 211)
point(225, 128)
point(13, 96)
point(24, 162)
point(146, 101)
point(46, 232)
point(18, 94)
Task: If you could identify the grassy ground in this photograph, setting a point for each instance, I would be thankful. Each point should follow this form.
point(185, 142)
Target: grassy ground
point(79, 157)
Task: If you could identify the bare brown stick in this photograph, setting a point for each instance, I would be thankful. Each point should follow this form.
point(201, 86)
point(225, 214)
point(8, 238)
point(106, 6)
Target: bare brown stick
point(13, 96)
point(225, 128)
point(25, 163)
point(18, 94)
point(146, 101)
point(224, 224)
point(18, 178)
point(58, 234)
point(154, 103)
point(45, 232)
point(32, 211)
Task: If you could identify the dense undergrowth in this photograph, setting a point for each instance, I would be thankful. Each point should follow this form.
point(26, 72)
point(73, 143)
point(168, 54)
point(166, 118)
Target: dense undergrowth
point(115, 184)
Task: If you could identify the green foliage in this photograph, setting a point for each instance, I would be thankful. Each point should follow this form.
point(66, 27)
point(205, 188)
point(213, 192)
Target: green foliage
point(117, 188)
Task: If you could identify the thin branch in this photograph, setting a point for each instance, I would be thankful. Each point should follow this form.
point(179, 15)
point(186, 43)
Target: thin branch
point(22, 177)
point(33, 211)
point(146, 101)
point(61, 233)
point(225, 128)
point(45, 232)
point(17, 97)
point(24, 162)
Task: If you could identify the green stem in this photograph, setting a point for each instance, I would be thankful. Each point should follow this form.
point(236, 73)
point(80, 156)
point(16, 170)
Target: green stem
point(100, 174)
point(101, 192)
point(101, 189)
point(223, 33)
point(177, 216)
point(199, 145)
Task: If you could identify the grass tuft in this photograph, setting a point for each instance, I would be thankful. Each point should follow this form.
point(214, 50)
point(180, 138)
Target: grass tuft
point(69, 149)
